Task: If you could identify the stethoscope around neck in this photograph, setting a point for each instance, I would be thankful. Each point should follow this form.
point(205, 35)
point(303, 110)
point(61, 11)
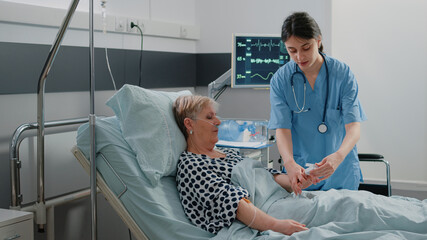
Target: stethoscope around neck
point(322, 128)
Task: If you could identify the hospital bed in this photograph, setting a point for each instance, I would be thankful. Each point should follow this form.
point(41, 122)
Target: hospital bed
point(110, 196)
point(137, 152)
point(140, 182)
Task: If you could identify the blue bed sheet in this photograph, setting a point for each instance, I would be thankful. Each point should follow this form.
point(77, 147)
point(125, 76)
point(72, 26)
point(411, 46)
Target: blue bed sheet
point(329, 215)
point(334, 214)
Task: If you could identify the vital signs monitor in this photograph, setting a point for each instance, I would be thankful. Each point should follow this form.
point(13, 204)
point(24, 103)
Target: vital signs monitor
point(255, 58)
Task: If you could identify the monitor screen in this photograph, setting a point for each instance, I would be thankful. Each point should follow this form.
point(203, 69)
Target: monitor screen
point(255, 58)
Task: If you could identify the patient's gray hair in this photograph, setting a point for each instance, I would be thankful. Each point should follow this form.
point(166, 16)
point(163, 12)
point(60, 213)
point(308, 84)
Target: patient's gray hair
point(190, 106)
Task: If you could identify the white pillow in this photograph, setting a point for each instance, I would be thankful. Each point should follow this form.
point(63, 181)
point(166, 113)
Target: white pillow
point(149, 127)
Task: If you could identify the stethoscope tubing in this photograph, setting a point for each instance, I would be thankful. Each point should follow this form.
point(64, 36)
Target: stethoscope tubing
point(300, 110)
point(322, 126)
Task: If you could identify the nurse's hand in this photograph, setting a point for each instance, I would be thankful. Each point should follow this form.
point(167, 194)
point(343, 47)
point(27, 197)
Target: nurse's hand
point(296, 176)
point(326, 167)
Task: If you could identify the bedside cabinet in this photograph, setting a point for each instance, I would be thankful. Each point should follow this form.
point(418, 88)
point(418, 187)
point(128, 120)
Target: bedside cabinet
point(16, 225)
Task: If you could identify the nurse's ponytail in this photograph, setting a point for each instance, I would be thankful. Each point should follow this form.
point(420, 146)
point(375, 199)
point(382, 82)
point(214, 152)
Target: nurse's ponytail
point(301, 25)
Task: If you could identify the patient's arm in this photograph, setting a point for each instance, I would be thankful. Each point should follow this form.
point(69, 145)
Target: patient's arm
point(262, 221)
point(284, 181)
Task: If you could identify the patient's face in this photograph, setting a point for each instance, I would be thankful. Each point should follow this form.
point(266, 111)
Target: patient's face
point(205, 126)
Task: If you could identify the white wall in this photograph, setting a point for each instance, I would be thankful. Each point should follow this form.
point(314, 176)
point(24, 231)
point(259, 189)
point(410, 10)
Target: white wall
point(163, 10)
point(384, 43)
point(221, 18)
point(159, 11)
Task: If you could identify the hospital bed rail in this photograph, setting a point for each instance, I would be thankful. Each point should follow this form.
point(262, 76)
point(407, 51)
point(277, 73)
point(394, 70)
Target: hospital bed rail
point(15, 163)
point(41, 114)
point(44, 211)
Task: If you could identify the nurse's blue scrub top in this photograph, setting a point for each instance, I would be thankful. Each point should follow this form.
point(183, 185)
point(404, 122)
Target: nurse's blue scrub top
point(343, 107)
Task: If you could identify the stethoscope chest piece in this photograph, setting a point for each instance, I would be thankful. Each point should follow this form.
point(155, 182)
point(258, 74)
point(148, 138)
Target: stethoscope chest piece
point(322, 128)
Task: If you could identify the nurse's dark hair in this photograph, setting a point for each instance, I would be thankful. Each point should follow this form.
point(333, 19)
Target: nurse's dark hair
point(301, 25)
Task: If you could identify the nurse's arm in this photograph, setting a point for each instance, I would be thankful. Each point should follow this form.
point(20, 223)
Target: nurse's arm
point(330, 163)
point(352, 136)
point(284, 144)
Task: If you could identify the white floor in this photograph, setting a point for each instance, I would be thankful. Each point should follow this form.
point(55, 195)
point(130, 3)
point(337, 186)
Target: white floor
point(421, 195)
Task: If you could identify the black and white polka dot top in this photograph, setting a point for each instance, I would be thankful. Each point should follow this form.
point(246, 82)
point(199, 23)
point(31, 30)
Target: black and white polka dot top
point(209, 199)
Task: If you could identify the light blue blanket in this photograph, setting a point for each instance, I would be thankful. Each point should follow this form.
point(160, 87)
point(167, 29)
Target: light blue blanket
point(334, 214)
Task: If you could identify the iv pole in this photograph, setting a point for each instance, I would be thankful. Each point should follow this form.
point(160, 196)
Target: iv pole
point(40, 212)
point(92, 118)
point(40, 204)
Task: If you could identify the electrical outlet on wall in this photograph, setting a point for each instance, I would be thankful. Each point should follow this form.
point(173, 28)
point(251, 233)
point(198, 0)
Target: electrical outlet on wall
point(183, 32)
point(128, 26)
point(121, 24)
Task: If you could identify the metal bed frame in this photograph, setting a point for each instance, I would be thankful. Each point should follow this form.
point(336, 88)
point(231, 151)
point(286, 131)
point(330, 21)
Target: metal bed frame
point(44, 213)
point(110, 195)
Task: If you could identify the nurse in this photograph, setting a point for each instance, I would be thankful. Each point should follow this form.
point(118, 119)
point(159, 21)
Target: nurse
point(315, 110)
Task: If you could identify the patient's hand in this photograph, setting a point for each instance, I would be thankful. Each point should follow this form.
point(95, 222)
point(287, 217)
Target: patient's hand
point(288, 227)
point(295, 173)
point(284, 181)
point(306, 182)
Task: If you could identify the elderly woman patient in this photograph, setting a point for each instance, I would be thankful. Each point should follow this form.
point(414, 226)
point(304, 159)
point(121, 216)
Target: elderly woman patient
point(209, 199)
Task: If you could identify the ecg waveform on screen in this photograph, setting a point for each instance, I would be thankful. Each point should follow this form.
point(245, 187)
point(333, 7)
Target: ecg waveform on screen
point(269, 44)
point(269, 75)
point(259, 44)
point(257, 59)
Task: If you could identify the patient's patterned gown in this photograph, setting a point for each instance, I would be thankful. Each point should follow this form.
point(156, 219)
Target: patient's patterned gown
point(209, 199)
